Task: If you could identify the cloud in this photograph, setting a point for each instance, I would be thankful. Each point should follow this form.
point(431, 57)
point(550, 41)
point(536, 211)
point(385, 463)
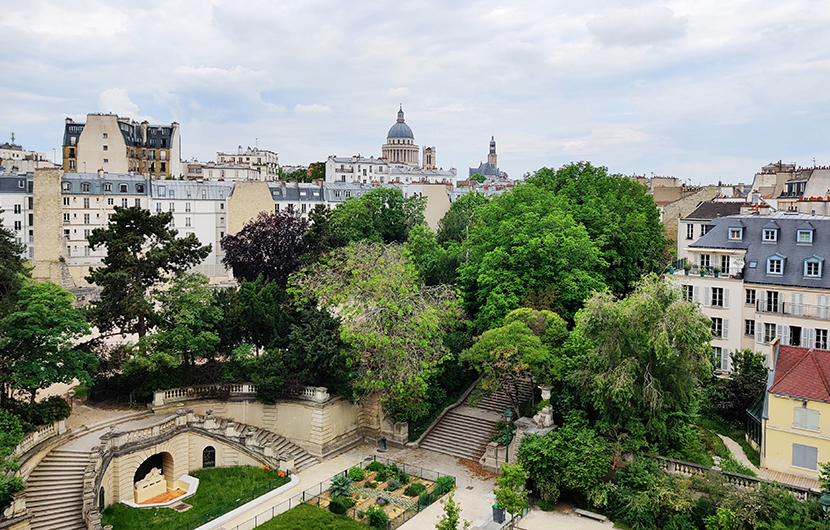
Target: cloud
point(117, 101)
point(314, 108)
point(638, 27)
point(397, 92)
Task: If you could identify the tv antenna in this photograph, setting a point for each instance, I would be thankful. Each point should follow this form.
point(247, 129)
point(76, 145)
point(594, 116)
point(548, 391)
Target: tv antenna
point(12, 137)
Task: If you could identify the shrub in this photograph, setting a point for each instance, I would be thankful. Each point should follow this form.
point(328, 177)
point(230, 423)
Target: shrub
point(371, 485)
point(382, 475)
point(403, 478)
point(393, 484)
point(348, 502)
point(361, 514)
point(377, 517)
point(357, 474)
point(375, 466)
point(393, 469)
point(335, 506)
point(425, 500)
point(413, 490)
point(443, 485)
point(340, 486)
point(49, 411)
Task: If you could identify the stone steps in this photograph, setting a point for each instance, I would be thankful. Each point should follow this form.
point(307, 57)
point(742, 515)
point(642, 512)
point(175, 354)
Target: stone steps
point(54, 491)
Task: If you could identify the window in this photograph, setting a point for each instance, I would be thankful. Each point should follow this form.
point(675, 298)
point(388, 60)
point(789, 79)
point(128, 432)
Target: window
point(85, 186)
point(187, 207)
point(221, 205)
point(18, 208)
point(86, 233)
point(106, 148)
point(105, 136)
point(750, 297)
point(705, 261)
point(736, 234)
point(772, 301)
point(770, 235)
point(158, 207)
point(717, 327)
point(86, 250)
point(187, 221)
point(124, 202)
point(775, 265)
point(139, 188)
point(749, 327)
point(812, 267)
point(161, 191)
point(108, 186)
point(688, 293)
point(277, 207)
point(718, 358)
point(303, 207)
point(106, 160)
point(122, 188)
point(821, 339)
point(724, 264)
point(805, 236)
point(222, 219)
point(209, 457)
point(171, 206)
point(164, 167)
point(336, 194)
point(66, 201)
point(21, 183)
point(86, 218)
point(717, 296)
point(86, 202)
point(110, 201)
point(138, 203)
point(795, 336)
point(171, 194)
point(703, 230)
point(804, 418)
point(66, 218)
point(18, 225)
point(805, 456)
point(769, 333)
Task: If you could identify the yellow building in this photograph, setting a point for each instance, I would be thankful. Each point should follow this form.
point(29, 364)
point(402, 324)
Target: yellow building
point(796, 419)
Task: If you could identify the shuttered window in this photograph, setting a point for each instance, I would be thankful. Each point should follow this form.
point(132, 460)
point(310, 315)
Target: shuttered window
point(805, 418)
point(805, 456)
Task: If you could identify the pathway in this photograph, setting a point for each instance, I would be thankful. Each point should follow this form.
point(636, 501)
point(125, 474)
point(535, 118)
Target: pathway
point(767, 474)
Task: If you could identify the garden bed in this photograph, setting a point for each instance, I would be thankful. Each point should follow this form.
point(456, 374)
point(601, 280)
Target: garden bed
point(220, 490)
point(308, 517)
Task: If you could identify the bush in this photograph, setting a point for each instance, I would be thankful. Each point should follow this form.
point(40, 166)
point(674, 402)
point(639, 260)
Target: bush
point(375, 466)
point(425, 499)
point(382, 475)
point(377, 517)
point(335, 506)
point(371, 485)
point(413, 490)
point(393, 484)
point(340, 486)
point(348, 502)
point(545, 506)
point(49, 411)
point(357, 474)
point(403, 478)
point(393, 469)
point(443, 485)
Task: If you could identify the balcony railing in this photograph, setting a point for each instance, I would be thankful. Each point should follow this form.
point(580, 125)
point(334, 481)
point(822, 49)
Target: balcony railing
point(795, 310)
point(344, 170)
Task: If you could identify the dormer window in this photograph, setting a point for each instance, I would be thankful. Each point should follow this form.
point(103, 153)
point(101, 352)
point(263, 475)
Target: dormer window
point(813, 267)
point(805, 237)
point(770, 235)
point(736, 233)
point(775, 264)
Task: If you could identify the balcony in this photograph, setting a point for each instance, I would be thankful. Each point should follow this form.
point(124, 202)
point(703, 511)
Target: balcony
point(794, 310)
point(344, 170)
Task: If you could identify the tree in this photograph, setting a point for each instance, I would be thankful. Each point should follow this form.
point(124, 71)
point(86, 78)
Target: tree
point(436, 264)
point(36, 341)
point(11, 433)
point(452, 516)
point(619, 215)
point(456, 224)
point(511, 495)
point(395, 324)
point(322, 235)
point(316, 171)
point(642, 359)
point(526, 241)
point(13, 270)
point(524, 349)
point(748, 380)
point(269, 246)
point(316, 353)
point(380, 216)
point(142, 253)
point(266, 314)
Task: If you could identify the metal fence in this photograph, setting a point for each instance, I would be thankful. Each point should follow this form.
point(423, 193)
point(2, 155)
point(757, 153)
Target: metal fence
point(313, 495)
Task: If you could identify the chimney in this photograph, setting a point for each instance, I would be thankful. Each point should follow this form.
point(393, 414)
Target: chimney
point(101, 173)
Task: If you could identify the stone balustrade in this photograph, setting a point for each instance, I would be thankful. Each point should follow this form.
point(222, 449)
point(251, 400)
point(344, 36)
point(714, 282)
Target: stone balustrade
point(222, 391)
point(42, 434)
point(318, 394)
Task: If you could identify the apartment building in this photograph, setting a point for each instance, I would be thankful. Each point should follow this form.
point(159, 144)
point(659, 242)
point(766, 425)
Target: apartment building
point(761, 278)
point(265, 163)
point(362, 170)
point(17, 208)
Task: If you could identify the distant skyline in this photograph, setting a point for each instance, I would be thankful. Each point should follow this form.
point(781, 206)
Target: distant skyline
point(703, 91)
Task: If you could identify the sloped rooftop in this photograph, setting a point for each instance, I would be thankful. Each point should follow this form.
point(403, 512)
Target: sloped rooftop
point(802, 373)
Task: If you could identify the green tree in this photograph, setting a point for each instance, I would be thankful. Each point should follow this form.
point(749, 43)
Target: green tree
point(511, 495)
point(11, 433)
point(316, 171)
point(268, 375)
point(436, 264)
point(452, 516)
point(266, 314)
point(395, 324)
point(380, 216)
point(731, 397)
point(322, 235)
point(13, 270)
point(142, 253)
point(619, 215)
point(230, 327)
point(36, 341)
point(526, 241)
point(456, 224)
point(642, 359)
point(316, 353)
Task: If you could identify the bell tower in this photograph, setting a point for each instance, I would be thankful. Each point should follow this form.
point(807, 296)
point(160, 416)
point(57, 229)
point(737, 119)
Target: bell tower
point(492, 159)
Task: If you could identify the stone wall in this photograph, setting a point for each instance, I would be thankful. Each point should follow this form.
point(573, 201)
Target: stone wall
point(48, 226)
point(248, 199)
point(682, 208)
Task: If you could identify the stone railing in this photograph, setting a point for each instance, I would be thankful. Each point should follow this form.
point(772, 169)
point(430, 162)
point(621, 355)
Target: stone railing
point(190, 393)
point(318, 394)
point(678, 467)
point(43, 433)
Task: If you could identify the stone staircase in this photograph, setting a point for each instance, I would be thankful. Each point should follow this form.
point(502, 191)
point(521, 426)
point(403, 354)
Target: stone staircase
point(465, 431)
point(302, 459)
point(54, 492)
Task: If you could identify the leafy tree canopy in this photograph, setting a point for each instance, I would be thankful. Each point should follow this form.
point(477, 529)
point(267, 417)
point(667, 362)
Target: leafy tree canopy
point(142, 253)
point(268, 246)
point(642, 359)
point(457, 222)
point(13, 269)
point(436, 264)
point(380, 216)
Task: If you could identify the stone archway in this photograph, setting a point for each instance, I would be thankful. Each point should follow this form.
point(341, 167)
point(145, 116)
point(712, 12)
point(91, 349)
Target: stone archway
point(162, 461)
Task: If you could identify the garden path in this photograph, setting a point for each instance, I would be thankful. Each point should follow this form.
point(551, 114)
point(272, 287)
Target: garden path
point(768, 474)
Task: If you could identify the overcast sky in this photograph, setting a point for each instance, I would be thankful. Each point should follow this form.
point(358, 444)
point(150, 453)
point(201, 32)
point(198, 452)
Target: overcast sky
point(702, 90)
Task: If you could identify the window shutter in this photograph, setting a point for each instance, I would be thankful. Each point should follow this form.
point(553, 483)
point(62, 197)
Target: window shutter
point(809, 337)
point(725, 333)
point(759, 332)
point(707, 296)
point(822, 306)
point(696, 294)
point(798, 417)
point(786, 338)
point(726, 298)
point(724, 359)
point(778, 330)
point(812, 417)
point(805, 456)
point(797, 300)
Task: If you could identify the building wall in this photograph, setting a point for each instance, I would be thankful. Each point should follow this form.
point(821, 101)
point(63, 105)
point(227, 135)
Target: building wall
point(90, 148)
point(780, 435)
point(438, 203)
point(248, 199)
point(48, 248)
point(681, 208)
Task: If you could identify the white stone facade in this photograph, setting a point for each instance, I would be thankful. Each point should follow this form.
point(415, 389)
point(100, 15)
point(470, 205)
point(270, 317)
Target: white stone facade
point(264, 162)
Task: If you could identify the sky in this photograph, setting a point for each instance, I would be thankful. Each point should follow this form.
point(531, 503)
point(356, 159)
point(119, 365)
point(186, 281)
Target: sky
point(702, 90)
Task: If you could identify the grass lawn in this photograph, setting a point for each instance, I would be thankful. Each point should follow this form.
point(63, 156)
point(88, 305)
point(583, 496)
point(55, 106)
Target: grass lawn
point(307, 517)
point(738, 435)
point(217, 487)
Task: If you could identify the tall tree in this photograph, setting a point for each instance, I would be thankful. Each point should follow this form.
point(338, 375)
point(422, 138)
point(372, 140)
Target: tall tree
point(322, 235)
point(36, 341)
point(142, 253)
point(380, 216)
point(269, 245)
point(13, 270)
point(395, 324)
point(317, 354)
point(459, 219)
point(266, 314)
point(643, 359)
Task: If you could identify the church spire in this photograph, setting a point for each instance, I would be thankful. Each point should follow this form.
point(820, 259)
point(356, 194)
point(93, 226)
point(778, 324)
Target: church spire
point(400, 114)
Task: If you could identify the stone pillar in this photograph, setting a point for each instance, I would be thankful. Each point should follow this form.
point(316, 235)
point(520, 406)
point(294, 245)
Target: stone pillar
point(48, 225)
point(371, 415)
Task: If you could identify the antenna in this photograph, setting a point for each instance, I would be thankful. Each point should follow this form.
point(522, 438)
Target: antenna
point(12, 137)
